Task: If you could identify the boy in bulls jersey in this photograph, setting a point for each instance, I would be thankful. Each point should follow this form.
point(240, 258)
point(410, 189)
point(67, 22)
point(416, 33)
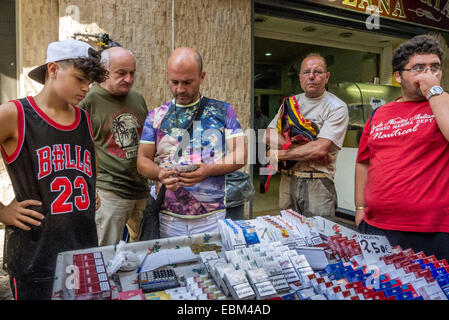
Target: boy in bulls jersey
point(47, 146)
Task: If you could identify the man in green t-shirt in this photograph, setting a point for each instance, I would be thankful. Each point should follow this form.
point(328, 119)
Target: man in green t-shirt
point(117, 114)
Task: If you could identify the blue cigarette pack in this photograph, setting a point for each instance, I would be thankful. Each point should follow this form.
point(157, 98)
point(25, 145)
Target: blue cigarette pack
point(291, 296)
point(439, 272)
point(404, 296)
point(429, 266)
point(443, 282)
point(330, 268)
point(394, 291)
point(419, 261)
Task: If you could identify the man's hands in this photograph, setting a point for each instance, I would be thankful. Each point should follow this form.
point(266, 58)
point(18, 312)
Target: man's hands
point(425, 81)
point(97, 201)
point(17, 214)
point(189, 179)
point(173, 179)
point(170, 178)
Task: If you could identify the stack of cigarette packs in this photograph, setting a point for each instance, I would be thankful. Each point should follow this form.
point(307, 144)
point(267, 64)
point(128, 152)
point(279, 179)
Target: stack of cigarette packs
point(264, 260)
point(285, 257)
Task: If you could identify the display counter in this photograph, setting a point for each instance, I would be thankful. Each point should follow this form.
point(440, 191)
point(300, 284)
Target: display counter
point(64, 276)
point(284, 257)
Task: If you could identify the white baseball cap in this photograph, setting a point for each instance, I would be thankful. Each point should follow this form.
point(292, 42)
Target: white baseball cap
point(58, 51)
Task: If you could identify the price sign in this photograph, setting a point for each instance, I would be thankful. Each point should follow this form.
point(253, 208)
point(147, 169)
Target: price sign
point(373, 247)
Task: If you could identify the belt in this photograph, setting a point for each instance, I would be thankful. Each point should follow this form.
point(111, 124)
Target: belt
point(304, 174)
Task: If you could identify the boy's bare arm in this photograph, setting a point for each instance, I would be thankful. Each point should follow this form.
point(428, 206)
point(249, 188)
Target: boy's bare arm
point(16, 213)
point(8, 127)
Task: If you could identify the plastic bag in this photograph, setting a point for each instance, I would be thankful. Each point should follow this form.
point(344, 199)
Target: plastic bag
point(239, 189)
point(124, 260)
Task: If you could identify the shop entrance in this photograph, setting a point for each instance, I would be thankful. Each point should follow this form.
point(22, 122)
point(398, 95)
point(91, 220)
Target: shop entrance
point(8, 71)
point(361, 75)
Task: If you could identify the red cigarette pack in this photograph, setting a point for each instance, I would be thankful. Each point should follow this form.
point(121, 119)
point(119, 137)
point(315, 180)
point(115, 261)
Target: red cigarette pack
point(93, 279)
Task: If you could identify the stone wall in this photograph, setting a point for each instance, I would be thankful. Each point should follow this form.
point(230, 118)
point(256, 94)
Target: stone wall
point(219, 30)
point(37, 25)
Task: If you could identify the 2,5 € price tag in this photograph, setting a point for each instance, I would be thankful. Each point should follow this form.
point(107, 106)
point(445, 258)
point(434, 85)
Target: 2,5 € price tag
point(373, 247)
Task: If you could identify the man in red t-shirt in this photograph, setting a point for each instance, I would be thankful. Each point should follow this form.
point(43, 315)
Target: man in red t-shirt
point(401, 180)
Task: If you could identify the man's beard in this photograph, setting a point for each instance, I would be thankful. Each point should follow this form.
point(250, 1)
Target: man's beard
point(413, 93)
point(185, 98)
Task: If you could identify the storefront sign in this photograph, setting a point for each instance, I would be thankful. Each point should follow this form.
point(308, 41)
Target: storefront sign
point(430, 13)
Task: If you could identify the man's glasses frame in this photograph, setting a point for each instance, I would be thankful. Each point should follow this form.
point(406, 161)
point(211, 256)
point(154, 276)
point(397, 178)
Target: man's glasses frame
point(422, 68)
point(314, 72)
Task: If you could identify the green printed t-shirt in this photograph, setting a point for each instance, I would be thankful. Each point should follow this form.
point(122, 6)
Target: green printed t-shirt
point(117, 123)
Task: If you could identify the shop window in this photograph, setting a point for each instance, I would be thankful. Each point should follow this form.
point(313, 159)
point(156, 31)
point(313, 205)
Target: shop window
point(267, 76)
point(358, 115)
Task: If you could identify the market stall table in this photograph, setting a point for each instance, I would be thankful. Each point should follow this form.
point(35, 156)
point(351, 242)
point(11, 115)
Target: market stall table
point(286, 257)
point(64, 279)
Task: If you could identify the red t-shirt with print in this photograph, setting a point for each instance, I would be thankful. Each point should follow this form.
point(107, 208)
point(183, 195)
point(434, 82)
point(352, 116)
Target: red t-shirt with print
point(408, 175)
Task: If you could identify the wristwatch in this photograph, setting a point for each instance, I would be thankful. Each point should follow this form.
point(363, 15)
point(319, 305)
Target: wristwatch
point(434, 91)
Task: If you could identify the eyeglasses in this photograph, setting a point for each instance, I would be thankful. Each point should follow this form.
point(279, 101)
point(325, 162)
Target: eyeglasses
point(314, 72)
point(422, 68)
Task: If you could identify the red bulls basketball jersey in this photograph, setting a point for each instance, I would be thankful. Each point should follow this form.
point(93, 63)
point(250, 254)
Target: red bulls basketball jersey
point(54, 164)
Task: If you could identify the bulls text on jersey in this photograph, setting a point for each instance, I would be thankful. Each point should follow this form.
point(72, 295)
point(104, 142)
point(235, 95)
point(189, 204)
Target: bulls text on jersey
point(59, 157)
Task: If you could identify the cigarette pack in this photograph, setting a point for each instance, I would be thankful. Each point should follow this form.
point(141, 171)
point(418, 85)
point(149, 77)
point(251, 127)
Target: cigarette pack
point(443, 282)
point(231, 234)
point(238, 285)
point(249, 232)
point(289, 271)
point(162, 295)
point(93, 279)
point(200, 288)
point(132, 295)
point(439, 272)
point(261, 283)
point(305, 294)
point(301, 265)
point(219, 267)
point(206, 257)
point(432, 291)
point(276, 276)
point(318, 297)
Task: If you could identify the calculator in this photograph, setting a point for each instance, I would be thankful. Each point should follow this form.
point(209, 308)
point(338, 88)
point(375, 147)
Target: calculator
point(158, 280)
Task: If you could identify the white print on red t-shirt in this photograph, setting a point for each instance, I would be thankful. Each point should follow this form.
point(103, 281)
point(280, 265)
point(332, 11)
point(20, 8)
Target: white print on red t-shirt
point(399, 126)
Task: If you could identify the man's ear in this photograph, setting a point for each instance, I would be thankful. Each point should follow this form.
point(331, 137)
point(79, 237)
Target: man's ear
point(203, 74)
point(397, 76)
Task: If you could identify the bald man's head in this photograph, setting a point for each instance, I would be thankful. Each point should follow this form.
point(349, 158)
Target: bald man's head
point(121, 65)
point(186, 55)
point(115, 53)
point(185, 75)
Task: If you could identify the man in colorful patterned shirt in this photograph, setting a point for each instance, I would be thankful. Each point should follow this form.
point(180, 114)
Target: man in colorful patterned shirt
point(194, 201)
